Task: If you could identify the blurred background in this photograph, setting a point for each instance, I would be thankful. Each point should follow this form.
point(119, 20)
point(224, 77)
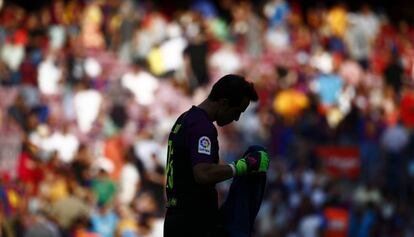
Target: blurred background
point(89, 90)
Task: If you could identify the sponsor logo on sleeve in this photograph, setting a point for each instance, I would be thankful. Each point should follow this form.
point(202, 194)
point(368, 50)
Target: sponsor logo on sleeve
point(204, 145)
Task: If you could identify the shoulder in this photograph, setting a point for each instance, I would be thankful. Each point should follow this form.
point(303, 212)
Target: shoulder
point(198, 119)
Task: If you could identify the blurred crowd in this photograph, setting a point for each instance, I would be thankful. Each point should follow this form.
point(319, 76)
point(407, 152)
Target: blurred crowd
point(90, 89)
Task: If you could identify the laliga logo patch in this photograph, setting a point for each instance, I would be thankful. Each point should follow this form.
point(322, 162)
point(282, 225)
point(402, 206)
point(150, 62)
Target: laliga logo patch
point(204, 145)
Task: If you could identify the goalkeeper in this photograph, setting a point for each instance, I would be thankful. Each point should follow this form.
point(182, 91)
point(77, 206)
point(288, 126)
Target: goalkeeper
point(193, 168)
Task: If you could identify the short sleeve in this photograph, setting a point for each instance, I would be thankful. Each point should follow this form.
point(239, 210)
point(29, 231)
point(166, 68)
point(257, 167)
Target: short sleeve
point(203, 145)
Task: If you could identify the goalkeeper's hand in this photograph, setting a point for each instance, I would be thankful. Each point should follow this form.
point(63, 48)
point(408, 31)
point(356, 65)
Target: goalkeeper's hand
point(255, 160)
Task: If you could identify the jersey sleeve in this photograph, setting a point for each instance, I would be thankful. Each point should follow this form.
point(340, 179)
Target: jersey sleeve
point(203, 145)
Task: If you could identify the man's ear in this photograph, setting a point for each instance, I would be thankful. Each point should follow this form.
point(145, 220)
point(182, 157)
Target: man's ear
point(224, 102)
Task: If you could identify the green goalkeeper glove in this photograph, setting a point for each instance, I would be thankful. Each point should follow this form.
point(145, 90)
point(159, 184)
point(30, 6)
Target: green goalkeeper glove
point(255, 160)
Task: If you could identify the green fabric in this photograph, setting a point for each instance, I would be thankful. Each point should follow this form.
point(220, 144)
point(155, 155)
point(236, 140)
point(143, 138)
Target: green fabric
point(219, 29)
point(104, 190)
point(264, 161)
point(241, 167)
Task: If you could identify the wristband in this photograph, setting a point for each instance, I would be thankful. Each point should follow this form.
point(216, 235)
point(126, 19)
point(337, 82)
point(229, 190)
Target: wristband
point(233, 168)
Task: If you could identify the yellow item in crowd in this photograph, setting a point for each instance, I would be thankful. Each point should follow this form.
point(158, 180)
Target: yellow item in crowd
point(115, 23)
point(290, 103)
point(68, 15)
point(58, 190)
point(155, 61)
point(13, 198)
point(93, 15)
point(334, 116)
point(337, 20)
point(127, 224)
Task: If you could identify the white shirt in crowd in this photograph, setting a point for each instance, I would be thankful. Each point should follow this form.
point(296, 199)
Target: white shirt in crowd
point(225, 60)
point(57, 36)
point(87, 105)
point(363, 195)
point(146, 149)
point(40, 137)
point(277, 38)
point(157, 228)
point(322, 61)
point(172, 49)
point(66, 144)
point(12, 55)
point(48, 76)
point(362, 30)
point(310, 225)
point(142, 84)
point(129, 179)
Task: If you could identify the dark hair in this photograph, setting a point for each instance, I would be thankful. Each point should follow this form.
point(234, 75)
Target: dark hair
point(234, 88)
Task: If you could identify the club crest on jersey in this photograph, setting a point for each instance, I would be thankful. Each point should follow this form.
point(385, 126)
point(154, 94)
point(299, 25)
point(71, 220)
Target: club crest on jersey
point(204, 145)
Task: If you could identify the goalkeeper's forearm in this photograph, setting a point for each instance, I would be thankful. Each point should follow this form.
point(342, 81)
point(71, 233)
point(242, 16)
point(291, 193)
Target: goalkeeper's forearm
point(205, 173)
